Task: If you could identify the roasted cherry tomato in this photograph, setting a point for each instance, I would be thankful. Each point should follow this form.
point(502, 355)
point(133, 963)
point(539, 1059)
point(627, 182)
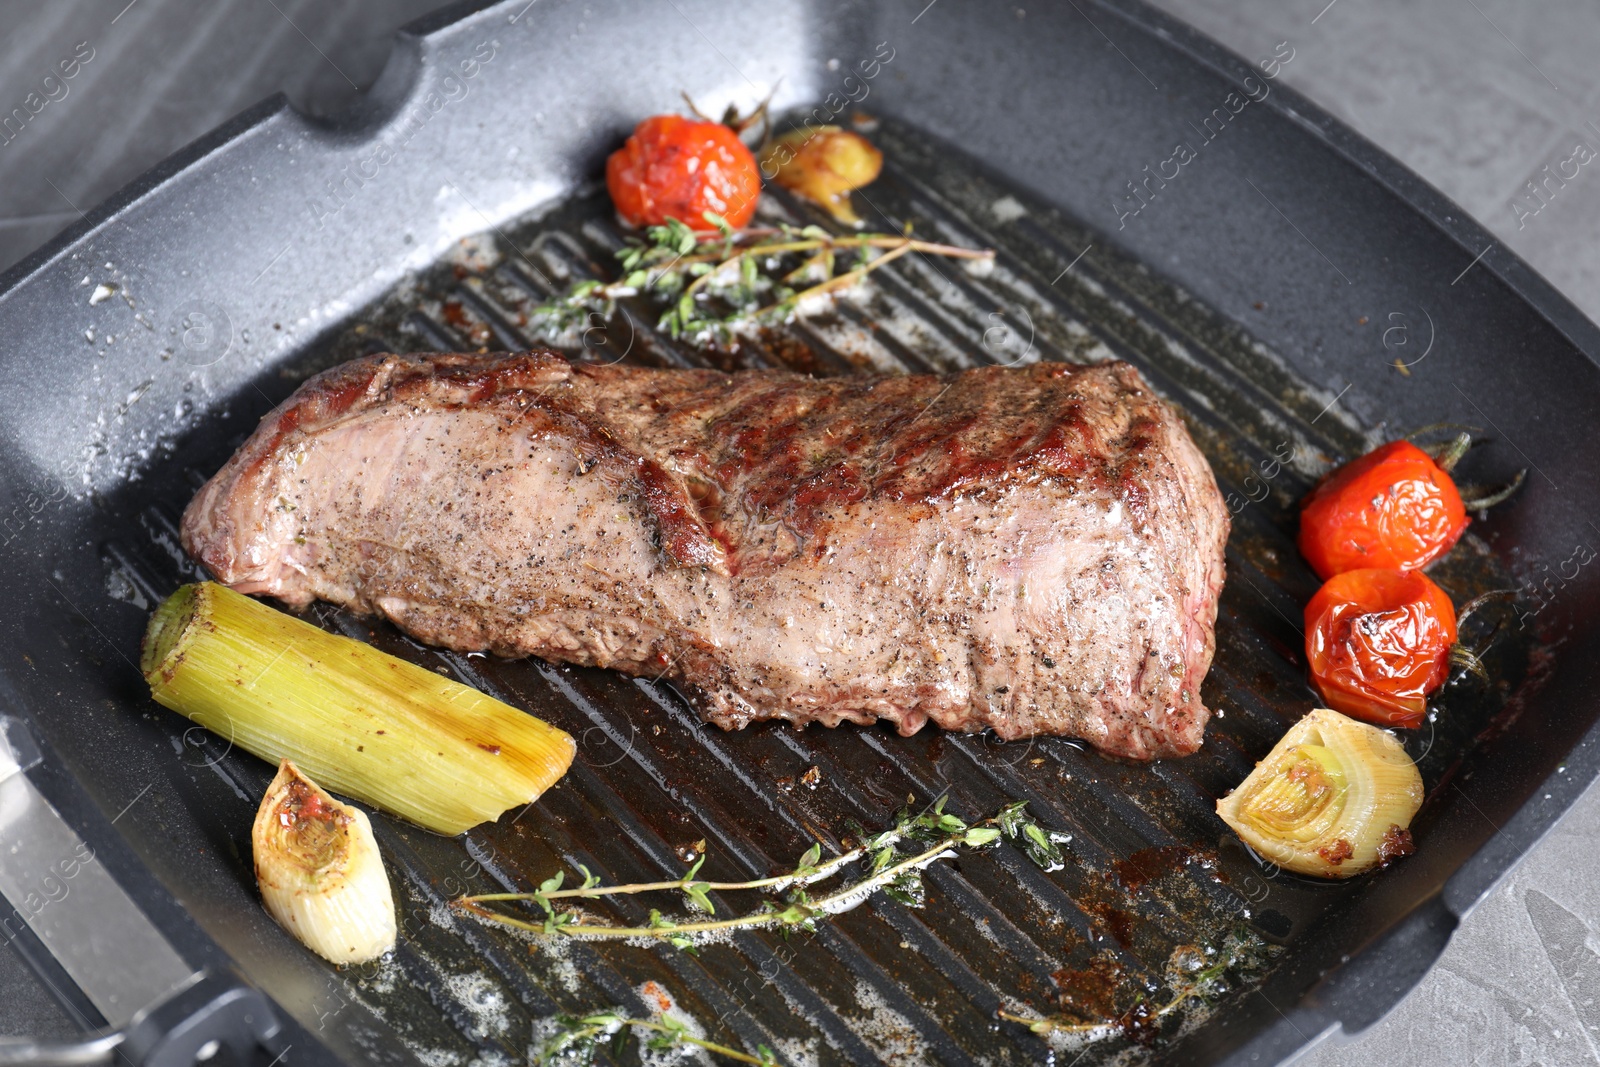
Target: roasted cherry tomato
point(1378, 642)
point(673, 167)
point(1393, 507)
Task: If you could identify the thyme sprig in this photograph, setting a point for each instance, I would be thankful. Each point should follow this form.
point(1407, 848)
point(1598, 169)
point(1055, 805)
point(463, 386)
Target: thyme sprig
point(889, 867)
point(578, 1038)
point(708, 283)
point(1193, 975)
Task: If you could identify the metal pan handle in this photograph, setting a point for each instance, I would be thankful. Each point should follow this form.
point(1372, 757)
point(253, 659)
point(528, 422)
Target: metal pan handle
point(160, 1010)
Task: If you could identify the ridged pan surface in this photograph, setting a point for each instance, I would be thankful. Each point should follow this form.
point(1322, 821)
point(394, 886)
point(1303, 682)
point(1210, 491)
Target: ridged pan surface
point(1150, 869)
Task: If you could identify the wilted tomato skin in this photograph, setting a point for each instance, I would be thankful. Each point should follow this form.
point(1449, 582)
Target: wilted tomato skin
point(1378, 642)
point(673, 167)
point(1393, 507)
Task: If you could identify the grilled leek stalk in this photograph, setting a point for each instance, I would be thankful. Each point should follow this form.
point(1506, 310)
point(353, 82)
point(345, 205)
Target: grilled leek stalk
point(320, 874)
point(1334, 798)
point(363, 723)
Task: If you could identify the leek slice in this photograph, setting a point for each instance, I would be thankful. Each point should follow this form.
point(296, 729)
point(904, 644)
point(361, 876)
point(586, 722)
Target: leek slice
point(364, 723)
point(1333, 799)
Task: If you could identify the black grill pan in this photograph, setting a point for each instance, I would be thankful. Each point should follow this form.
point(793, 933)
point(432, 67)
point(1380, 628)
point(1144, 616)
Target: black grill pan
point(1260, 290)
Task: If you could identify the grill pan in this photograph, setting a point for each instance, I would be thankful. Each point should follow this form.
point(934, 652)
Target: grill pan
point(1259, 290)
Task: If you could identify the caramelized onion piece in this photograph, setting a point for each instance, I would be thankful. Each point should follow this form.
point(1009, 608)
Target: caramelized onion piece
point(823, 164)
point(320, 874)
point(1334, 798)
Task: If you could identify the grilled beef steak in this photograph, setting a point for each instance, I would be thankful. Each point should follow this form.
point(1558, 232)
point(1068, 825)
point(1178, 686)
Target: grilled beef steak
point(1036, 550)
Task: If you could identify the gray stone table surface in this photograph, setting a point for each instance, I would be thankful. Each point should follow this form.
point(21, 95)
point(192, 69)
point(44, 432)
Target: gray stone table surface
point(1477, 96)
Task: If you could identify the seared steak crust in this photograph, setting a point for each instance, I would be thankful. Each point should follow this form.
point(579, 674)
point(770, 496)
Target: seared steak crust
point(1036, 550)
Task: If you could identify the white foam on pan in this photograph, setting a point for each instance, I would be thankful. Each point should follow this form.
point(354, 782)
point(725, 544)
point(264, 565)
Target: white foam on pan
point(552, 956)
point(1007, 209)
point(556, 956)
point(798, 1053)
point(483, 1002)
point(889, 1033)
point(442, 916)
point(384, 976)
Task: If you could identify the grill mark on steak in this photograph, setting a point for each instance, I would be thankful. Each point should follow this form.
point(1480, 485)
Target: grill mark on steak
point(1036, 550)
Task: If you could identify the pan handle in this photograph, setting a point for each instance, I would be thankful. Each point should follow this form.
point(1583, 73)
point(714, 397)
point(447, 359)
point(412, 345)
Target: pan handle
point(19, 1051)
point(188, 1027)
point(160, 1010)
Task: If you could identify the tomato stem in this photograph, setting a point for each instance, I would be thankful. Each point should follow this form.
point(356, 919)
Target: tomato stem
point(1477, 603)
point(1497, 496)
point(1434, 427)
point(1469, 659)
point(1450, 454)
point(731, 117)
point(1464, 658)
